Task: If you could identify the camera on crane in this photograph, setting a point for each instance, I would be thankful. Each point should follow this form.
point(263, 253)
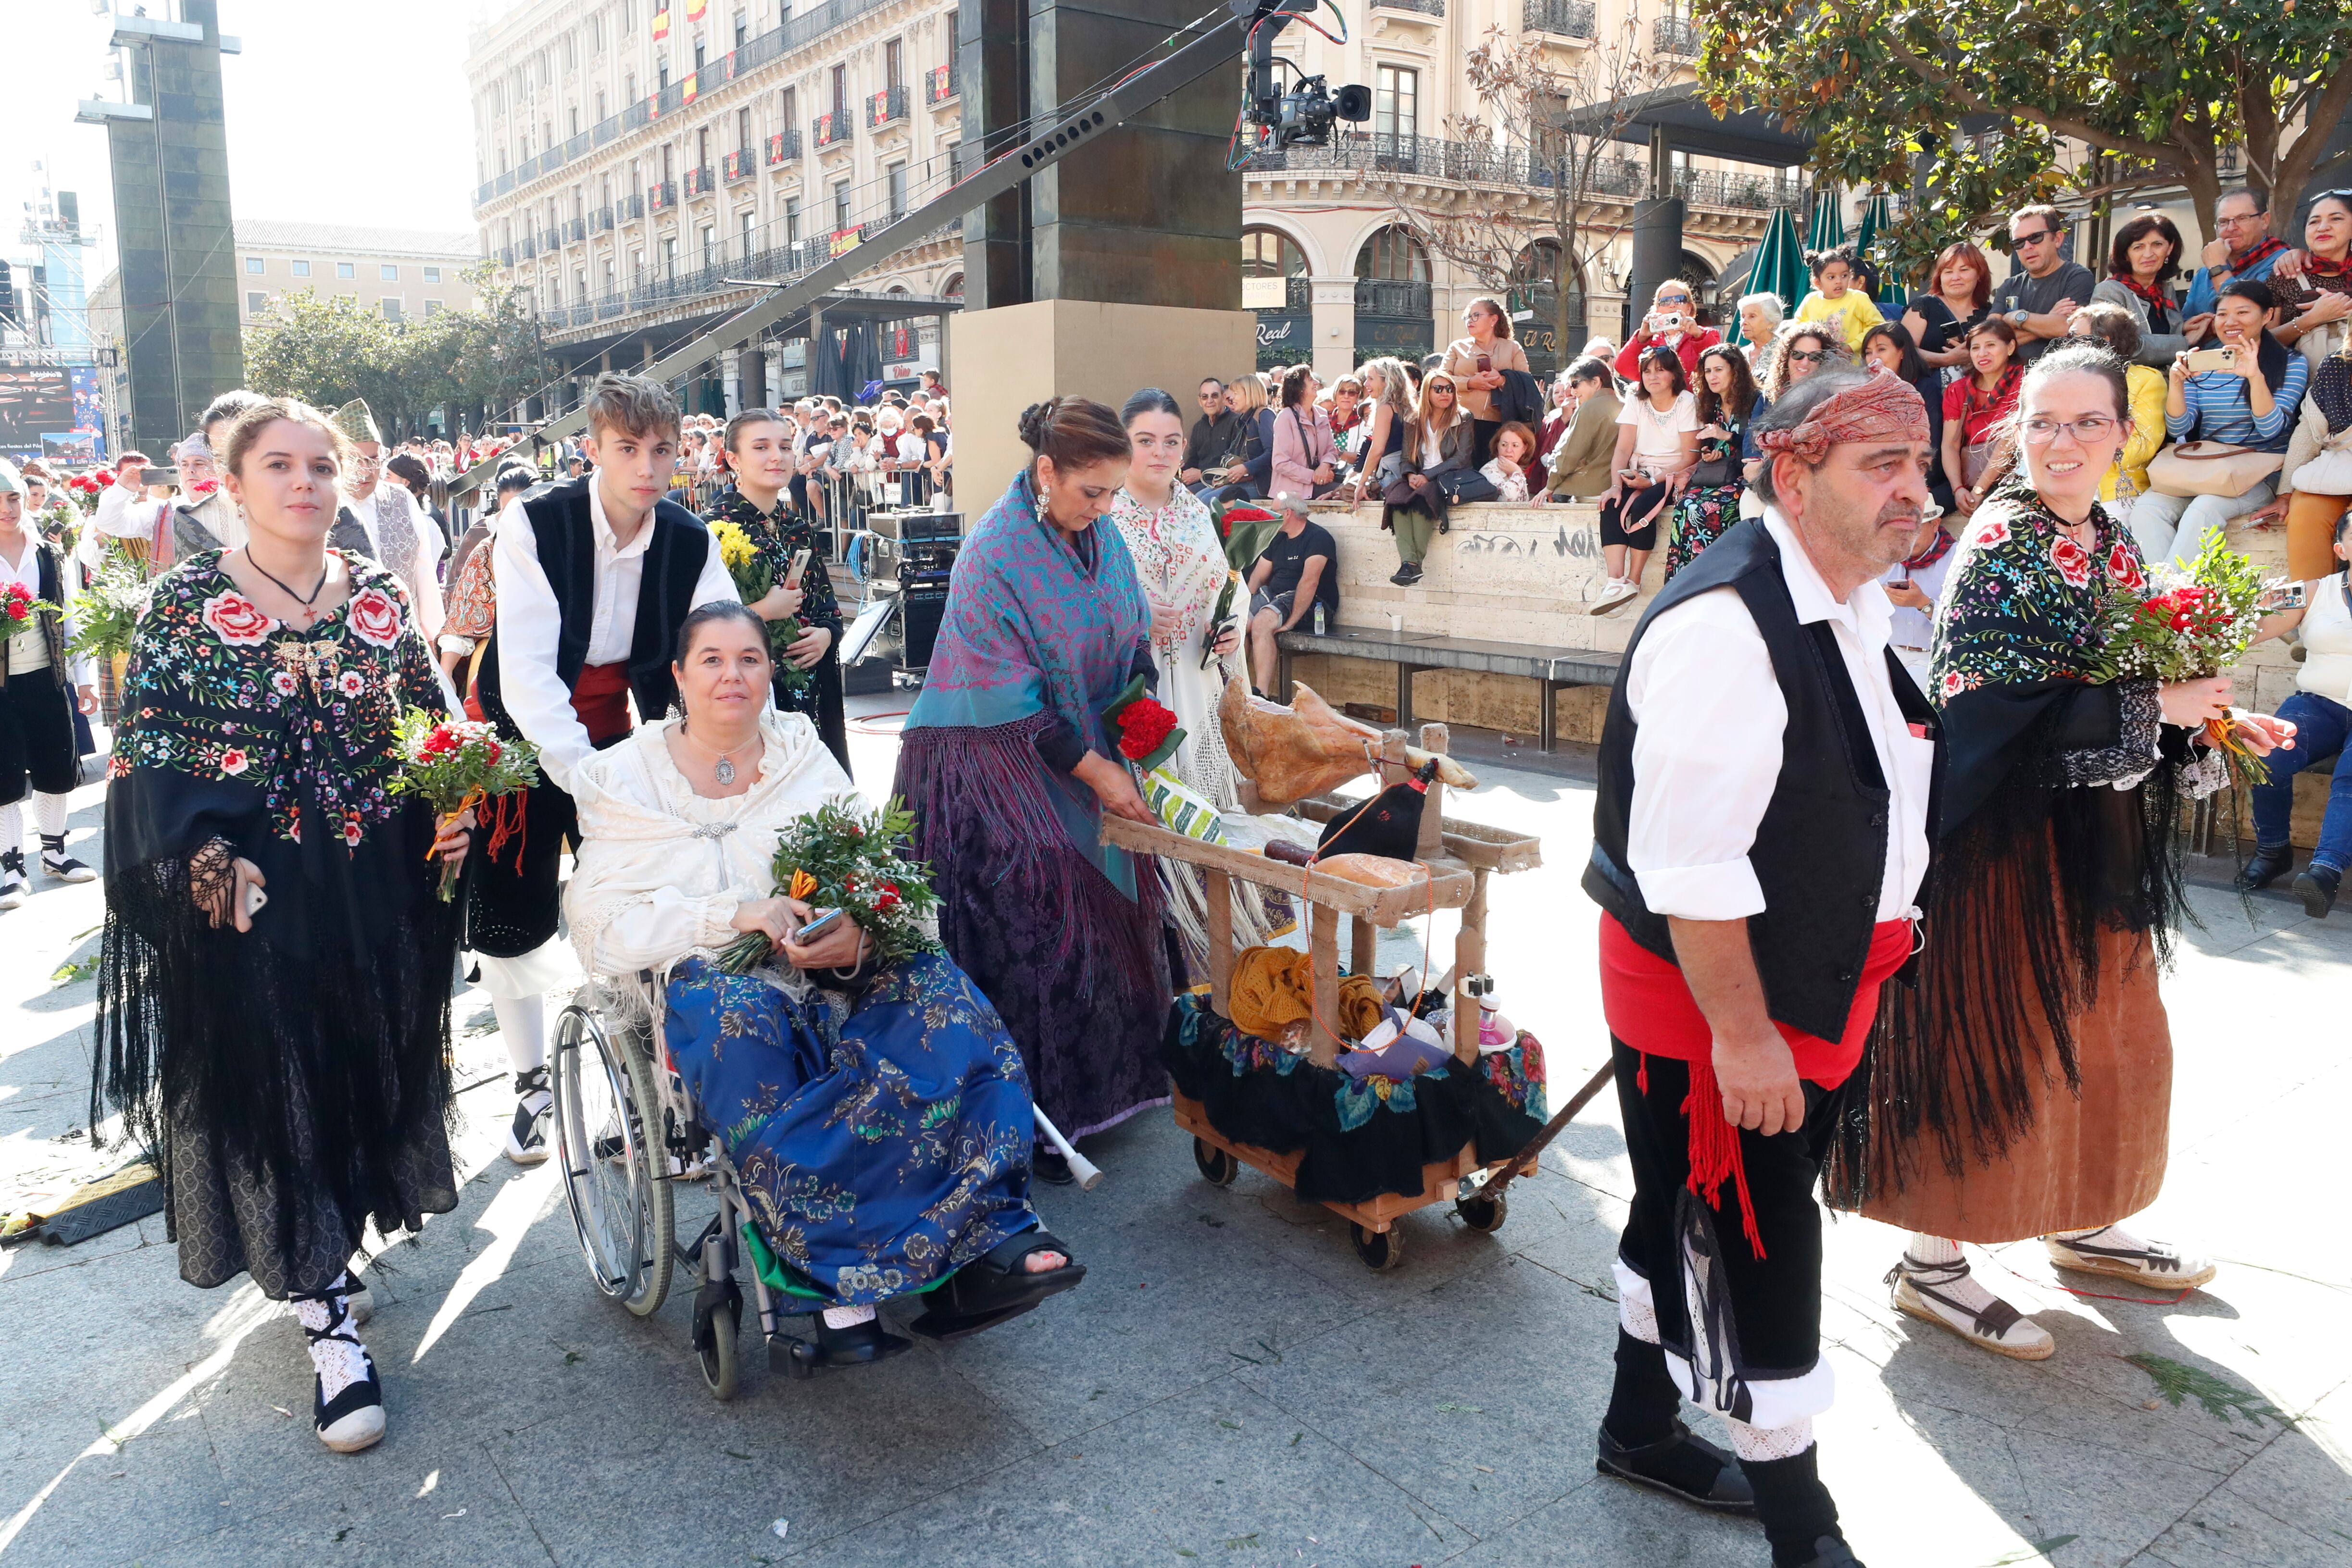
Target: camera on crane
point(1305, 114)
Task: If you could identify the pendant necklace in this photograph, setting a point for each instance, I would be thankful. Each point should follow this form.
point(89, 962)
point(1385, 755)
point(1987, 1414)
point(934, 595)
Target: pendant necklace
point(725, 770)
point(306, 602)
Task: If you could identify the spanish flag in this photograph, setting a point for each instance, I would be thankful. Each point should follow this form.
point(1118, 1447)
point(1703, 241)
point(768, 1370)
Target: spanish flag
point(688, 96)
point(661, 23)
point(695, 8)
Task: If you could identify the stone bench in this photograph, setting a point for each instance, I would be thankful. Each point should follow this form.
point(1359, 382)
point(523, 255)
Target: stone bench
point(1412, 652)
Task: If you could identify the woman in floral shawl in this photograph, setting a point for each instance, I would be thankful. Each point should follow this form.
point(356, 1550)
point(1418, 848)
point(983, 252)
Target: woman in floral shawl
point(1008, 769)
point(1180, 565)
point(2021, 1088)
point(273, 1014)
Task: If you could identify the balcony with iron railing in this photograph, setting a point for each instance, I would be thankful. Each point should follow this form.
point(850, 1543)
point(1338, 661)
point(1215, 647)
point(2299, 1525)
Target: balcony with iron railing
point(887, 106)
point(527, 249)
point(575, 230)
point(549, 239)
point(1393, 299)
point(1675, 35)
point(661, 195)
point(1562, 18)
point(829, 130)
point(599, 220)
point(783, 147)
point(739, 165)
point(630, 209)
point(700, 180)
point(506, 256)
point(940, 86)
point(803, 28)
point(1426, 7)
point(1483, 163)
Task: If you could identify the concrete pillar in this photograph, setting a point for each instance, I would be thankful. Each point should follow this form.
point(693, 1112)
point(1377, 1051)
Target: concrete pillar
point(1334, 326)
point(755, 381)
point(731, 381)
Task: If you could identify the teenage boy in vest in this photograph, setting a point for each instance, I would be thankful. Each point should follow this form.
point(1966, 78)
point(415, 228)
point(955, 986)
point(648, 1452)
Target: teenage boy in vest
point(594, 577)
point(1760, 835)
point(39, 688)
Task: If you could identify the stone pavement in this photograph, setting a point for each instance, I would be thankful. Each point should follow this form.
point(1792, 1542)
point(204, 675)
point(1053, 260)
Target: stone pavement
point(1231, 1385)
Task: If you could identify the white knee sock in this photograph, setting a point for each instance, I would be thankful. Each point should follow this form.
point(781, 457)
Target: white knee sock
point(340, 1362)
point(49, 814)
point(1932, 1251)
point(12, 827)
point(847, 1317)
point(1938, 1261)
point(522, 1026)
point(1772, 1442)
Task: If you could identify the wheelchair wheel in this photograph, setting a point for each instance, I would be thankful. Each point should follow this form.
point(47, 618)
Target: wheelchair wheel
point(608, 1135)
point(714, 1345)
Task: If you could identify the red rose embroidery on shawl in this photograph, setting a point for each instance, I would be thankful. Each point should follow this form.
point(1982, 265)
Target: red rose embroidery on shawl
point(236, 621)
point(2073, 561)
point(375, 617)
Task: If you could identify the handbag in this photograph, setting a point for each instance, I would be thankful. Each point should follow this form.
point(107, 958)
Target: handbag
point(1390, 470)
point(1306, 443)
point(2209, 468)
point(1460, 485)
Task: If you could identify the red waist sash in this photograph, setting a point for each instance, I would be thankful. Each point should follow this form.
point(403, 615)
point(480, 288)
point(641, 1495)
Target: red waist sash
point(601, 699)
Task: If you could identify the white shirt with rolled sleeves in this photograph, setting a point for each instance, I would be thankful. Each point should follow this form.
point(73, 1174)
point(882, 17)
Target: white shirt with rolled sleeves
point(1707, 752)
point(529, 621)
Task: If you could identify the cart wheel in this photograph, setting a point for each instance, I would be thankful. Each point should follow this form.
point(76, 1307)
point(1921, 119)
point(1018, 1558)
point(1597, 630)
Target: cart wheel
point(1484, 1214)
point(1381, 1249)
point(1219, 1166)
point(714, 1345)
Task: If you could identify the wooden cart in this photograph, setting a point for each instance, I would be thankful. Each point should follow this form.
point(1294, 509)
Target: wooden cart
point(1461, 856)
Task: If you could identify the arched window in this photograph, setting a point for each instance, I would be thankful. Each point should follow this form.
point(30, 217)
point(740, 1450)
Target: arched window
point(1539, 263)
point(1392, 254)
point(953, 287)
point(1270, 253)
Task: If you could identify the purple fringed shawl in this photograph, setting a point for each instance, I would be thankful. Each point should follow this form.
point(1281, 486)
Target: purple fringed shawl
point(1030, 629)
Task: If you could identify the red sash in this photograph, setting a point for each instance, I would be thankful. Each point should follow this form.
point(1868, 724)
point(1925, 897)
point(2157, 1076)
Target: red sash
point(601, 698)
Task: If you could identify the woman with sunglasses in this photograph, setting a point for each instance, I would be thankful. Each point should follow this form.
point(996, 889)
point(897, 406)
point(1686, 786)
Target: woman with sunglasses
point(1672, 323)
point(2022, 1087)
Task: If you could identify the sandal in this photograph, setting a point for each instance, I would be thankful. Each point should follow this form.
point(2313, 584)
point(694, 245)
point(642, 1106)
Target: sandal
point(860, 1344)
point(996, 1281)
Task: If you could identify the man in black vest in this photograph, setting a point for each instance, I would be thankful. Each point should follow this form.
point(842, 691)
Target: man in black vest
point(1758, 839)
point(594, 577)
point(39, 686)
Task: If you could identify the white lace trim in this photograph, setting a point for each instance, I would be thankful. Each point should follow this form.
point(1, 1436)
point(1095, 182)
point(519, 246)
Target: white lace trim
point(1772, 1442)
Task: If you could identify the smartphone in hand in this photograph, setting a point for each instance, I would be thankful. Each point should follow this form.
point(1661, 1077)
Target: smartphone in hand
point(800, 564)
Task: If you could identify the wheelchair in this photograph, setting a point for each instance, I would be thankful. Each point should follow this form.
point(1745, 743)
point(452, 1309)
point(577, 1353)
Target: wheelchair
point(628, 1133)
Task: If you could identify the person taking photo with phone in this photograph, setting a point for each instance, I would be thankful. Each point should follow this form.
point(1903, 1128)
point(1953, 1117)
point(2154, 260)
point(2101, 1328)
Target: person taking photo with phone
point(756, 452)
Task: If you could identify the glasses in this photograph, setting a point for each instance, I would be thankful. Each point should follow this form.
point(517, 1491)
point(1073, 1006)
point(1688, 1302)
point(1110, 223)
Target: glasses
point(1809, 356)
point(2032, 239)
point(2090, 428)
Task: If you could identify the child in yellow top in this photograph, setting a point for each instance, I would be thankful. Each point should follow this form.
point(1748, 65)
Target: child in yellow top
point(1835, 293)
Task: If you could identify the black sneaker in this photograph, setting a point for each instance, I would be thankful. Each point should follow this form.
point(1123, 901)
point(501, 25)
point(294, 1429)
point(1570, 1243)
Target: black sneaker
point(2316, 887)
point(1681, 1465)
point(2270, 862)
point(527, 1135)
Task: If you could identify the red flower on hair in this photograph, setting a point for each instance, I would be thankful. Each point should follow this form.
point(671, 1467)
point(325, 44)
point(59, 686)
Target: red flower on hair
point(1143, 724)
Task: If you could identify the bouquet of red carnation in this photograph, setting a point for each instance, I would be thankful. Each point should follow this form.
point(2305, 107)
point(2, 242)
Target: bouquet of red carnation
point(2187, 626)
point(835, 858)
point(1144, 730)
point(455, 764)
point(1245, 527)
point(18, 607)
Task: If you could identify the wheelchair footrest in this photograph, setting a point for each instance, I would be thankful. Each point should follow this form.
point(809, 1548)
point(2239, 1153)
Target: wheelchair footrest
point(942, 1326)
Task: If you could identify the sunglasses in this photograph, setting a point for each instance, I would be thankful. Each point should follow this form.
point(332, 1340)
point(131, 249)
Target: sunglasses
point(1808, 356)
point(2032, 239)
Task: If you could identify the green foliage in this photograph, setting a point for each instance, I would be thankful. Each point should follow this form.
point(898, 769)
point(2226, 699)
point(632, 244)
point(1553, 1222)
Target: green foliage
point(835, 858)
point(107, 613)
point(2159, 89)
point(328, 349)
point(2219, 1396)
point(453, 763)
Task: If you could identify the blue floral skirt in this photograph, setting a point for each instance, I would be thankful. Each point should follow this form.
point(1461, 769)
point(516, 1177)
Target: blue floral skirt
point(880, 1152)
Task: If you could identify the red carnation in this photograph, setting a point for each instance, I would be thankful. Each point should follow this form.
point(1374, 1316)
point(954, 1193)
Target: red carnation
point(887, 899)
point(1142, 725)
point(490, 752)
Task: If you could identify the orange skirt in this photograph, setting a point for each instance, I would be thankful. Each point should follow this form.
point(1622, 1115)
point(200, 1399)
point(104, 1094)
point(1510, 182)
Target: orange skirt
point(2090, 1158)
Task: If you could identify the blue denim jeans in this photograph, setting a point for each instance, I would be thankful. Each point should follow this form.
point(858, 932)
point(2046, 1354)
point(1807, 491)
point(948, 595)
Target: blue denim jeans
point(2321, 729)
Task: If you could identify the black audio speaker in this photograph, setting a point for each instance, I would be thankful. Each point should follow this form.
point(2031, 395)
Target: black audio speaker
point(920, 609)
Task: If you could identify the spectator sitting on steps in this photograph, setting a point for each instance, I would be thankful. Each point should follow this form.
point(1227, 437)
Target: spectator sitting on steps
point(1298, 569)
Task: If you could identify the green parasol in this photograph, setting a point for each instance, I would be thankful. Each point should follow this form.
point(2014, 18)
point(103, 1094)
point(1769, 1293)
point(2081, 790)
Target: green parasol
point(1877, 218)
point(1779, 268)
point(1828, 228)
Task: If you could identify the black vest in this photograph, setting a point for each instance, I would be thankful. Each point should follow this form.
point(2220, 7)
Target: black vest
point(1821, 850)
point(48, 579)
point(566, 536)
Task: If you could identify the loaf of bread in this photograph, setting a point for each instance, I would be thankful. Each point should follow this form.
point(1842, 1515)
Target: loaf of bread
point(1371, 870)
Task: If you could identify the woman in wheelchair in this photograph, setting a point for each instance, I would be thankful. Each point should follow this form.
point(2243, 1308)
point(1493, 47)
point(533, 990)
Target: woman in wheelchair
point(878, 1115)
